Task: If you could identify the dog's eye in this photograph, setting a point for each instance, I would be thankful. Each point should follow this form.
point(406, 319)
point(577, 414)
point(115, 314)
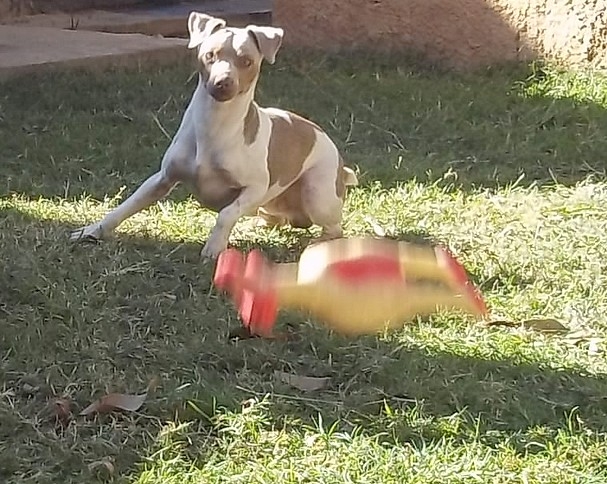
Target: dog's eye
point(246, 61)
point(209, 56)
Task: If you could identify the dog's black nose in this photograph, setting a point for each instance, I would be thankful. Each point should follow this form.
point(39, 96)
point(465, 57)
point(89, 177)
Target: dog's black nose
point(224, 83)
point(223, 88)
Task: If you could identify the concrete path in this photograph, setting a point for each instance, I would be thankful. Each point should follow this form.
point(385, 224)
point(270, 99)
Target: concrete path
point(33, 49)
point(167, 20)
point(98, 39)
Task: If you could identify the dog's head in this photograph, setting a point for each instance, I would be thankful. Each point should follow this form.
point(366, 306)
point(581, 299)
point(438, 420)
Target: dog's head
point(230, 58)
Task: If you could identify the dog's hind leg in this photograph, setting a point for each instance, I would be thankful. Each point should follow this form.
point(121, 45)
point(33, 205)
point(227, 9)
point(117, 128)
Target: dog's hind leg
point(321, 203)
point(325, 211)
point(324, 189)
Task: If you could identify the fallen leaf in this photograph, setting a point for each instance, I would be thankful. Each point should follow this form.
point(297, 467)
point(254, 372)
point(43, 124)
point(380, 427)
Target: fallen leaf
point(61, 410)
point(115, 401)
point(303, 383)
point(102, 468)
point(501, 322)
point(120, 401)
point(542, 325)
point(545, 325)
point(154, 382)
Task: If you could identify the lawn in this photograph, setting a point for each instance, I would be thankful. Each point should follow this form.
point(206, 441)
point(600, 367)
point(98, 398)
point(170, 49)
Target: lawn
point(505, 166)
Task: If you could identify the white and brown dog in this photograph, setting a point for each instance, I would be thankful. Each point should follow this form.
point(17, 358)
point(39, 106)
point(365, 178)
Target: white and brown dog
point(238, 158)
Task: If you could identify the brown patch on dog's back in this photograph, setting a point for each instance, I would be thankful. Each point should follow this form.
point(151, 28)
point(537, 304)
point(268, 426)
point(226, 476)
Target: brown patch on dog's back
point(251, 124)
point(291, 143)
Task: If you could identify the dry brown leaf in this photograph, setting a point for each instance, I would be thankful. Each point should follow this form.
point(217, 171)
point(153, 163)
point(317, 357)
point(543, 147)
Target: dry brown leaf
point(545, 325)
point(102, 468)
point(115, 401)
point(154, 382)
point(61, 410)
point(303, 383)
point(120, 401)
point(501, 322)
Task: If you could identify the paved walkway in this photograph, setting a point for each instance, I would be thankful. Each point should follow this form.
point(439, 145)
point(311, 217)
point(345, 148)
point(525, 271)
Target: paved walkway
point(32, 49)
point(97, 39)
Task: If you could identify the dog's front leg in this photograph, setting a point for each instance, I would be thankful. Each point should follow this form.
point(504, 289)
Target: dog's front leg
point(248, 201)
point(153, 189)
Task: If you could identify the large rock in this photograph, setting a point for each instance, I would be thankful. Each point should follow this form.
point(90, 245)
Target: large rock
point(458, 33)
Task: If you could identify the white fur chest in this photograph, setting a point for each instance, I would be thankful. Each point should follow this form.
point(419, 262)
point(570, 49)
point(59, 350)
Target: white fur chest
point(223, 162)
point(221, 145)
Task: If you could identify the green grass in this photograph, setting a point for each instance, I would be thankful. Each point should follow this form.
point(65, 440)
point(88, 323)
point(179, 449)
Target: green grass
point(505, 166)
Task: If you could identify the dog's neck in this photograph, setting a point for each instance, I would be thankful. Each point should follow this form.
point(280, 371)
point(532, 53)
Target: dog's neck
point(222, 120)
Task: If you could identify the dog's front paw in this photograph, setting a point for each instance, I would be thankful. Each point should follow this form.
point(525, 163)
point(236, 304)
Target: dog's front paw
point(211, 251)
point(93, 232)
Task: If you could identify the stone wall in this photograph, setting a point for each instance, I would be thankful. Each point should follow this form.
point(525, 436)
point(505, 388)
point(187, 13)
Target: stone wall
point(457, 33)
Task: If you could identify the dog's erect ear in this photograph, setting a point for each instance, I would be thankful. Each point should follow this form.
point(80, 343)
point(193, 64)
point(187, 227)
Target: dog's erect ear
point(268, 40)
point(200, 26)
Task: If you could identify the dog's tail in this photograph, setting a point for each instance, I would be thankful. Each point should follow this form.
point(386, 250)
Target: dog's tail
point(345, 178)
point(349, 177)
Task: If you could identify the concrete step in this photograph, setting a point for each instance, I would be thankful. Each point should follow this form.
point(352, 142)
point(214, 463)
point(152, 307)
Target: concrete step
point(165, 20)
point(25, 50)
point(98, 39)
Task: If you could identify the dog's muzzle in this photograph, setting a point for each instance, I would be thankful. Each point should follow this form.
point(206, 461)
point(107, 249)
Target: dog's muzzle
point(222, 89)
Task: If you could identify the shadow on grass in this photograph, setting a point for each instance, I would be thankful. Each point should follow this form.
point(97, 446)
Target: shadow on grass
point(397, 120)
point(81, 320)
point(78, 133)
point(502, 394)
